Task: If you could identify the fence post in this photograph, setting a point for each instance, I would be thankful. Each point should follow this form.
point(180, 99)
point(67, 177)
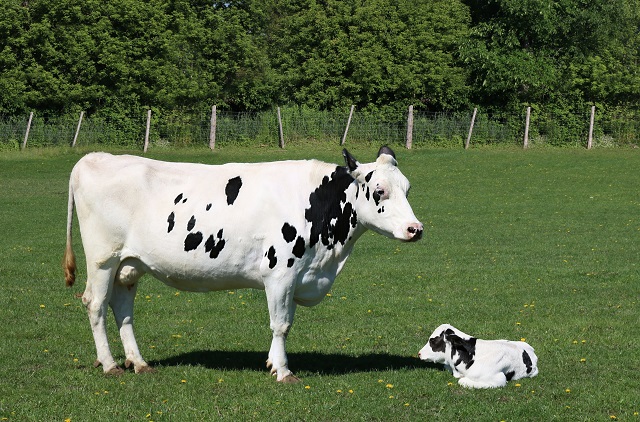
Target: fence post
point(344, 137)
point(410, 127)
point(75, 137)
point(26, 134)
point(593, 115)
point(212, 128)
point(280, 132)
point(473, 120)
point(526, 128)
point(146, 134)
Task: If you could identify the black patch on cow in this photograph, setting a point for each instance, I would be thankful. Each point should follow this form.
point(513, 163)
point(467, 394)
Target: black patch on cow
point(526, 359)
point(376, 196)
point(465, 348)
point(380, 210)
point(271, 255)
point(290, 262)
point(510, 375)
point(178, 199)
point(214, 247)
point(171, 221)
point(192, 241)
point(233, 189)
point(367, 195)
point(367, 178)
point(326, 204)
point(288, 232)
point(208, 207)
point(298, 248)
point(192, 223)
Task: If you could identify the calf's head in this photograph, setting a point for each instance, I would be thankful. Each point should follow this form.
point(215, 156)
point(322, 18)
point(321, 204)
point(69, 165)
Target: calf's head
point(382, 204)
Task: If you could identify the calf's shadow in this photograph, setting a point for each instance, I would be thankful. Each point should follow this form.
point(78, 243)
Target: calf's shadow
point(313, 362)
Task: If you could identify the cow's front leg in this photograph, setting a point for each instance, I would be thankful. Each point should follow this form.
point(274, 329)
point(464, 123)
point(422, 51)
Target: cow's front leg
point(281, 311)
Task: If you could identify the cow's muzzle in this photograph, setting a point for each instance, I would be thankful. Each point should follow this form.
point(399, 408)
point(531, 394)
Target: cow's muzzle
point(414, 232)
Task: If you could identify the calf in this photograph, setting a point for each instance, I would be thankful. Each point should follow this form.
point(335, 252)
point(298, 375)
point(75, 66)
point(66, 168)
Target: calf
point(479, 363)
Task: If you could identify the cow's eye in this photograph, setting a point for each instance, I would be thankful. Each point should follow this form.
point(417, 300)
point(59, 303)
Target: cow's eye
point(381, 192)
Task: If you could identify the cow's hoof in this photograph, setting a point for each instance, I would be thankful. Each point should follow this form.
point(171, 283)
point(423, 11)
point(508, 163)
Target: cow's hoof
point(290, 379)
point(115, 371)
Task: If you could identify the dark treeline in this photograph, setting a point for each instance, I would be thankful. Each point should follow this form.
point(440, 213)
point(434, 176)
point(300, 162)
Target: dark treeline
point(117, 57)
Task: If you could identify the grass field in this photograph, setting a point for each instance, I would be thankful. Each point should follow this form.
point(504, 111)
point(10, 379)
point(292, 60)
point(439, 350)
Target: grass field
point(540, 244)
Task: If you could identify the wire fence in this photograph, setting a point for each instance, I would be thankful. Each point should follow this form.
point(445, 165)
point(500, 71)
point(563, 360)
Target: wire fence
point(300, 125)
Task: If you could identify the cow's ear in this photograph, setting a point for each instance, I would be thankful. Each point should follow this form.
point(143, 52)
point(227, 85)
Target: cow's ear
point(386, 155)
point(350, 160)
point(386, 150)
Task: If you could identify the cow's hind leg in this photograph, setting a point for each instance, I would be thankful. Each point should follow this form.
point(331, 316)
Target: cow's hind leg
point(96, 298)
point(122, 300)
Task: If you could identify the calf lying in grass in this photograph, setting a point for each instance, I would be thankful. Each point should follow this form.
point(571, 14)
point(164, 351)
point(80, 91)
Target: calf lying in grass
point(479, 363)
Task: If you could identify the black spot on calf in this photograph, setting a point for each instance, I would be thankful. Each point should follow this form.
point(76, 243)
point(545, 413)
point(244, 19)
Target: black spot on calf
point(510, 375)
point(178, 199)
point(192, 241)
point(233, 189)
point(464, 348)
point(208, 207)
point(526, 359)
point(171, 221)
point(191, 224)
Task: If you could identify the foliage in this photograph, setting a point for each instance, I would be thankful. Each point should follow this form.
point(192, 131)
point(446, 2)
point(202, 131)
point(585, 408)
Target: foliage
point(118, 58)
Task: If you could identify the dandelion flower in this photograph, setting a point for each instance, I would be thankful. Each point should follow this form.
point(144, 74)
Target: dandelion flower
point(583, 360)
point(183, 381)
point(567, 390)
point(307, 387)
point(389, 385)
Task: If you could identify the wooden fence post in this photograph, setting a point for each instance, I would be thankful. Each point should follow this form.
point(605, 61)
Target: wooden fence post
point(473, 120)
point(410, 127)
point(146, 134)
point(593, 115)
point(280, 132)
point(526, 128)
point(212, 128)
point(26, 134)
point(344, 137)
point(75, 137)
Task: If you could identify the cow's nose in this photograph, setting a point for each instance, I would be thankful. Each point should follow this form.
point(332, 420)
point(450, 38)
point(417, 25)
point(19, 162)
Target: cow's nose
point(415, 231)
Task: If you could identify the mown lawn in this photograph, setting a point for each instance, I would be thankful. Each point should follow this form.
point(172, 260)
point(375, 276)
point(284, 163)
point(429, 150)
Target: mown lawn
point(541, 244)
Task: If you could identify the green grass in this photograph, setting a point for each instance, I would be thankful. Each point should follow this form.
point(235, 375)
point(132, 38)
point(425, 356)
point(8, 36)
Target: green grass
point(540, 244)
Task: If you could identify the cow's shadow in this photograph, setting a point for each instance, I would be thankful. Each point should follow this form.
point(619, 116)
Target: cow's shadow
point(313, 362)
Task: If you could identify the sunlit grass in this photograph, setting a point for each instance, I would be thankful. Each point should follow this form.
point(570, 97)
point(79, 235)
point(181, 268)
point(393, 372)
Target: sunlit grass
point(541, 245)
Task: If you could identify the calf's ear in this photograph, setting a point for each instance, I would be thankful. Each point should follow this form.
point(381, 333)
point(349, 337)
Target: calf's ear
point(350, 160)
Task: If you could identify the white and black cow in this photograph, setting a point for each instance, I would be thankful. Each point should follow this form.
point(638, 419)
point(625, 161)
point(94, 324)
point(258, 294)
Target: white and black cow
point(286, 227)
point(479, 363)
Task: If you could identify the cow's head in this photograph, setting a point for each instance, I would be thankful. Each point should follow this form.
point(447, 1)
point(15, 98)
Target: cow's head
point(382, 204)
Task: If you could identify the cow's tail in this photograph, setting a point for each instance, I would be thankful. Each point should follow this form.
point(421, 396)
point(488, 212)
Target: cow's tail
point(69, 259)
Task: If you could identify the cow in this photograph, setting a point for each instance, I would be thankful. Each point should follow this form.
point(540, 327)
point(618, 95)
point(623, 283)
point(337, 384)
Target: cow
point(479, 363)
point(285, 227)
